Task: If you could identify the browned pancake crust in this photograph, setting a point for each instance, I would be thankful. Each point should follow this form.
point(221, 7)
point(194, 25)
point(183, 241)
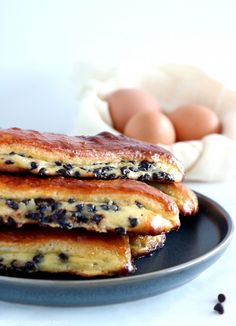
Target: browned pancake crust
point(55, 250)
point(184, 197)
point(156, 211)
point(143, 245)
point(103, 148)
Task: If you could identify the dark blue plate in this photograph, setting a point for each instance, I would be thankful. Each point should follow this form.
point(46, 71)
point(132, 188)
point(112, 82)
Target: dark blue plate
point(201, 240)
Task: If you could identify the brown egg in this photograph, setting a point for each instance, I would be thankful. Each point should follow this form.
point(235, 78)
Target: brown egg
point(193, 122)
point(124, 103)
point(153, 127)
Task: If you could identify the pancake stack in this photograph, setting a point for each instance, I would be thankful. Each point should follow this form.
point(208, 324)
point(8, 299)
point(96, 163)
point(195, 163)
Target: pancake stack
point(85, 205)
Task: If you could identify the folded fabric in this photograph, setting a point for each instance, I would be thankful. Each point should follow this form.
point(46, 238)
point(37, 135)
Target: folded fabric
point(209, 159)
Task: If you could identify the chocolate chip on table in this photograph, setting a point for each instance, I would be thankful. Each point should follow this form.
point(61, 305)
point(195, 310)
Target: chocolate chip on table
point(12, 204)
point(63, 257)
point(221, 297)
point(219, 308)
point(33, 165)
point(9, 162)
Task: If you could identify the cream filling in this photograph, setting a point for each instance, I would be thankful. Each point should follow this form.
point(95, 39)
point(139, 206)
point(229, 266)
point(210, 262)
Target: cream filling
point(100, 217)
point(103, 262)
point(131, 169)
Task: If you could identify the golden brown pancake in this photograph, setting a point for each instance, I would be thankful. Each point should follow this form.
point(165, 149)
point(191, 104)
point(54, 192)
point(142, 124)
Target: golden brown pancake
point(142, 245)
point(184, 197)
point(104, 156)
point(119, 205)
point(62, 251)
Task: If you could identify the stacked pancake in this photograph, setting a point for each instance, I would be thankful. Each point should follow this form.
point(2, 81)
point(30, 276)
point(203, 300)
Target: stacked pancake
point(82, 205)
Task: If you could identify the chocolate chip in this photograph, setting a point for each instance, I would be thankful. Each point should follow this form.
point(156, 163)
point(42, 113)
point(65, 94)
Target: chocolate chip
point(120, 230)
point(35, 216)
point(37, 259)
point(71, 200)
point(12, 204)
point(79, 207)
point(14, 264)
point(65, 225)
point(111, 176)
point(63, 172)
point(2, 267)
point(42, 206)
point(30, 267)
point(144, 165)
point(53, 204)
point(91, 208)
point(77, 174)
point(1, 221)
point(138, 204)
point(12, 153)
point(58, 163)
point(42, 172)
point(219, 308)
point(63, 257)
point(81, 218)
point(114, 207)
point(162, 176)
point(26, 201)
point(98, 173)
point(33, 165)
point(133, 169)
point(133, 221)
point(124, 170)
point(97, 218)
point(221, 297)
point(9, 162)
point(67, 166)
point(105, 207)
point(11, 222)
point(145, 177)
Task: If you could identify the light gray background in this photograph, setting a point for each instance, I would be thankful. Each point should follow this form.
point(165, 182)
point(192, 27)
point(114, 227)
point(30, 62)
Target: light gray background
point(41, 42)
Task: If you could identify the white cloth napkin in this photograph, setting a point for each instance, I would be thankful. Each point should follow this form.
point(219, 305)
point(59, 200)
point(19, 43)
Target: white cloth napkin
point(213, 158)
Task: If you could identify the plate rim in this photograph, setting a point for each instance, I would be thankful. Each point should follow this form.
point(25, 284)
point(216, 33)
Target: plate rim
point(134, 278)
